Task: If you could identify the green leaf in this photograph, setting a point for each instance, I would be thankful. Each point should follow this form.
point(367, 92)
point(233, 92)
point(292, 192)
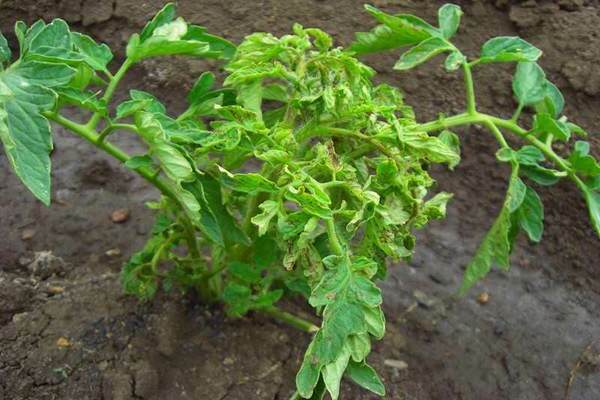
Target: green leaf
point(449, 19)
point(138, 162)
point(130, 107)
point(174, 164)
point(592, 199)
point(431, 147)
point(95, 55)
point(237, 298)
point(333, 373)
point(582, 162)
point(217, 46)
point(545, 123)
point(157, 46)
point(201, 88)
point(5, 52)
point(508, 49)
point(231, 231)
point(531, 215)
point(310, 204)
point(250, 183)
point(164, 16)
point(451, 140)
point(454, 61)
point(24, 132)
point(529, 83)
point(366, 377)
point(496, 245)
point(52, 40)
point(542, 175)
point(309, 373)
point(422, 52)
point(553, 102)
point(395, 31)
point(86, 100)
point(269, 210)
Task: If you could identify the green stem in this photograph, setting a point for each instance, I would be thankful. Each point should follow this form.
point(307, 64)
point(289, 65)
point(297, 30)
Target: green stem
point(496, 132)
point(113, 127)
point(290, 319)
point(90, 134)
point(295, 396)
point(471, 105)
point(334, 240)
point(110, 91)
point(480, 118)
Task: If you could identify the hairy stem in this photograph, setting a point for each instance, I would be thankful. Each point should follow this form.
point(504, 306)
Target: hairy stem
point(110, 91)
point(290, 319)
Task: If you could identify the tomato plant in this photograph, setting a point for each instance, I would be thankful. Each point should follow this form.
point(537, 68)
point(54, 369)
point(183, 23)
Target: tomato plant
point(299, 175)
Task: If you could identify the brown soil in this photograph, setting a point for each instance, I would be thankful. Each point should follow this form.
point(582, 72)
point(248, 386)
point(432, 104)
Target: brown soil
point(89, 341)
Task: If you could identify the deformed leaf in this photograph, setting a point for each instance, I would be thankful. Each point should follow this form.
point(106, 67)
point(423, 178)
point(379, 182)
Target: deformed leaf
point(422, 52)
point(529, 83)
point(449, 19)
point(508, 49)
point(250, 183)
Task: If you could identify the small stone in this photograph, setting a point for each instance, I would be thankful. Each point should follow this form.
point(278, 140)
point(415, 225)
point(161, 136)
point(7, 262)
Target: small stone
point(63, 342)
point(119, 216)
point(396, 364)
point(228, 361)
point(28, 234)
point(483, 298)
point(113, 252)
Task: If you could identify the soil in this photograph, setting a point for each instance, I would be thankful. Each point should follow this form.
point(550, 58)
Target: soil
point(68, 332)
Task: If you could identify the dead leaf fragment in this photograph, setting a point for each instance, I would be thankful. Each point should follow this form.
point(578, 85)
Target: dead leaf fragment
point(119, 216)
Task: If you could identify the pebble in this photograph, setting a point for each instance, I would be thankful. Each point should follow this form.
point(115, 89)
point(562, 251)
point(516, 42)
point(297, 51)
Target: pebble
point(113, 252)
point(28, 234)
point(119, 216)
point(63, 342)
point(55, 289)
point(483, 298)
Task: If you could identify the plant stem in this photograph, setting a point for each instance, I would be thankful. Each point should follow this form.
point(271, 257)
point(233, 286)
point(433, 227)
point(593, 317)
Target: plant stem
point(468, 119)
point(110, 91)
point(91, 135)
point(471, 105)
point(290, 319)
point(334, 240)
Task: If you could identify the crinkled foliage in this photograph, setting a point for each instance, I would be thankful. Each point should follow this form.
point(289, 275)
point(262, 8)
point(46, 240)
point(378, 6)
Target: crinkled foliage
point(298, 176)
